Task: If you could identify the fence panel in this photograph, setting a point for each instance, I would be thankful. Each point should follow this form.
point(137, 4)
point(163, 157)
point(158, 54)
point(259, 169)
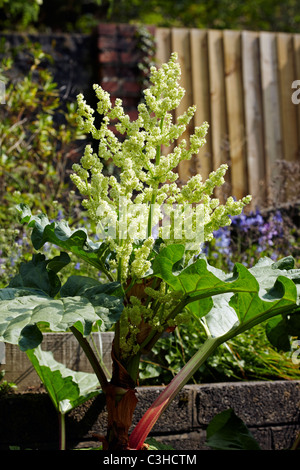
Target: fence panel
point(241, 83)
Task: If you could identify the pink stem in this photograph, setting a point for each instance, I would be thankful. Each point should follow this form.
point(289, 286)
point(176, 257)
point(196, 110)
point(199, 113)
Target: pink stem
point(148, 420)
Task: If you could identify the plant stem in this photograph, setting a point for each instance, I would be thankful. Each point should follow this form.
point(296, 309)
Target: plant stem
point(62, 431)
point(133, 367)
point(154, 194)
point(142, 429)
point(91, 357)
point(296, 443)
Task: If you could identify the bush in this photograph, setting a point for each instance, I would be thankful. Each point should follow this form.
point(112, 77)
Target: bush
point(39, 138)
point(38, 132)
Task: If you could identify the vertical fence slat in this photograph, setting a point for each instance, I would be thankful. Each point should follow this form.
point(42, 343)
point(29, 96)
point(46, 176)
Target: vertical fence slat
point(181, 44)
point(217, 97)
point(200, 83)
point(273, 139)
point(288, 109)
point(235, 111)
point(163, 45)
point(253, 117)
point(163, 38)
point(217, 102)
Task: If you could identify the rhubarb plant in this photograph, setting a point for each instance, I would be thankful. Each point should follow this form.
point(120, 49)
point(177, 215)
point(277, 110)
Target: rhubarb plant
point(148, 247)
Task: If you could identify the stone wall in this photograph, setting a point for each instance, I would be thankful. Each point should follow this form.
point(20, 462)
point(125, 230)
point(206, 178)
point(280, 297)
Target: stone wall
point(271, 410)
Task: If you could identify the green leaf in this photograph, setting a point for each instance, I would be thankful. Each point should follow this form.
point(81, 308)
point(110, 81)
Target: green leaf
point(102, 297)
point(60, 234)
point(281, 328)
point(83, 301)
point(229, 300)
point(198, 280)
point(59, 314)
point(238, 302)
point(66, 388)
point(41, 274)
point(226, 431)
point(153, 444)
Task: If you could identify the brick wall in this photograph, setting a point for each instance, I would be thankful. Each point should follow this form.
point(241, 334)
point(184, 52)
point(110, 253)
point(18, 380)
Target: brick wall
point(269, 409)
point(119, 55)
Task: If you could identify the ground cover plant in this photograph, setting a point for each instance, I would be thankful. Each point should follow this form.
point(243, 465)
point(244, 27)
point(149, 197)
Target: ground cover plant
point(154, 275)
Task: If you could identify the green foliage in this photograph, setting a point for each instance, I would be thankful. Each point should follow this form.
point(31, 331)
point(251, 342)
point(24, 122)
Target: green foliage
point(37, 135)
point(5, 386)
point(23, 13)
point(42, 14)
point(59, 233)
point(35, 297)
point(66, 388)
point(249, 356)
point(83, 15)
point(226, 431)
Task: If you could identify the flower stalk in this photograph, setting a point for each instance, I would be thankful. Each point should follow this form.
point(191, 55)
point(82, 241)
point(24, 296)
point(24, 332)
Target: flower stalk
point(145, 425)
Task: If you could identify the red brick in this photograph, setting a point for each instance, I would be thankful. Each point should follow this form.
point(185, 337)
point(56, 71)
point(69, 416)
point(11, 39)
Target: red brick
point(109, 70)
point(107, 42)
point(112, 86)
point(131, 57)
point(108, 57)
point(130, 101)
point(127, 30)
point(132, 87)
point(108, 29)
point(133, 114)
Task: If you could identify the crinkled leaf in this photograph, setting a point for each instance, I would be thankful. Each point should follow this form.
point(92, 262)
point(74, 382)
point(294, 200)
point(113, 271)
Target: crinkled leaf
point(41, 274)
point(226, 431)
point(197, 280)
point(60, 234)
point(83, 301)
point(66, 388)
point(60, 314)
point(229, 300)
point(238, 302)
point(102, 297)
point(22, 311)
point(281, 328)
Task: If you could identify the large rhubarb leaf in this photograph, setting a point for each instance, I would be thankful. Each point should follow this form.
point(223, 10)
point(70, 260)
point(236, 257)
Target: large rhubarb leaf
point(226, 431)
point(41, 274)
point(26, 303)
point(197, 281)
point(66, 388)
point(238, 302)
point(60, 234)
point(228, 299)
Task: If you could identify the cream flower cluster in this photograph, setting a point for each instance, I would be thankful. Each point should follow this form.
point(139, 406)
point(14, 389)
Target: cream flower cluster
point(127, 207)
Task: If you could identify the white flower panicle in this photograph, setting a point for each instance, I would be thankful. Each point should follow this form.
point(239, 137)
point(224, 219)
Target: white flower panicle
point(130, 202)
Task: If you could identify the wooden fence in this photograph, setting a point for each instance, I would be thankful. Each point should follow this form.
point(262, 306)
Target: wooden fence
point(241, 83)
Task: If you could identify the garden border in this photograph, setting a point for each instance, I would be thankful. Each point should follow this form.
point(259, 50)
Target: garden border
point(271, 410)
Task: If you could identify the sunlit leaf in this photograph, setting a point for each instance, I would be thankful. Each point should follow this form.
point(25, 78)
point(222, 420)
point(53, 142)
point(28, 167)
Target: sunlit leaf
point(66, 388)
